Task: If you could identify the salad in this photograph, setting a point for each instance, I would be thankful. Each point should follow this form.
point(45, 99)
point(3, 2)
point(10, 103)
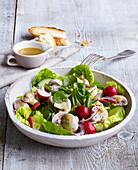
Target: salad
point(74, 104)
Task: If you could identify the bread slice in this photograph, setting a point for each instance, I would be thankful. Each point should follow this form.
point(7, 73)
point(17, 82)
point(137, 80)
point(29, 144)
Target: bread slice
point(48, 39)
point(58, 34)
point(61, 41)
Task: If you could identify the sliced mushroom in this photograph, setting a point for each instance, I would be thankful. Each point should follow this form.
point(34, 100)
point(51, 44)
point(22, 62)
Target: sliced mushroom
point(30, 98)
point(99, 114)
point(121, 100)
point(50, 101)
point(56, 82)
point(57, 118)
point(18, 103)
point(70, 122)
point(93, 90)
point(66, 105)
point(81, 79)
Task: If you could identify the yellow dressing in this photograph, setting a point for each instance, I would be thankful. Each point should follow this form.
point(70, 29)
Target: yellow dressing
point(30, 51)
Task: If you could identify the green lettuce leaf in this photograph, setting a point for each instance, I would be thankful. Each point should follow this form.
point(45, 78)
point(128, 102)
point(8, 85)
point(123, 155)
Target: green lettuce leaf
point(44, 74)
point(24, 111)
point(47, 111)
point(78, 94)
point(88, 102)
point(60, 96)
point(82, 70)
point(21, 119)
point(114, 118)
point(99, 86)
point(114, 84)
point(38, 120)
point(69, 80)
point(50, 127)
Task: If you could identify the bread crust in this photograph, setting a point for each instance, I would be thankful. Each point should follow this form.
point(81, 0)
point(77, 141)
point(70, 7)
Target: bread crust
point(36, 31)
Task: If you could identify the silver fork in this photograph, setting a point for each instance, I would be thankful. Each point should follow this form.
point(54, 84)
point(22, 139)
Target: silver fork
point(92, 59)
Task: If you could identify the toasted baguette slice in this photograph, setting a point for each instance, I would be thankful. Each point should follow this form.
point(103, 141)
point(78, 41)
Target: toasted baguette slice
point(54, 32)
point(58, 34)
point(61, 41)
point(48, 39)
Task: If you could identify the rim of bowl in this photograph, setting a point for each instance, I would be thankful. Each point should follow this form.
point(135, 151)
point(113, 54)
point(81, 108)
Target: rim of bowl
point(65, 137)
point(32, 41)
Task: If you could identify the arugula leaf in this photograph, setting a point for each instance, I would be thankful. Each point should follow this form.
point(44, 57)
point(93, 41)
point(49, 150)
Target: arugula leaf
point(44, 74)
point(114, 84)
point(60, 96)
point(20, 97)
point(69, 80)
point(50, 127)
point(83, 70)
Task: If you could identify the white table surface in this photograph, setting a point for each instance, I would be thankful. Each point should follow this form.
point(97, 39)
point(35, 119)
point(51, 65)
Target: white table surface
point(113, 27)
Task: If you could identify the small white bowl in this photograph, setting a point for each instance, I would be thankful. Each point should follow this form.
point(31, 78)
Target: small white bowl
point(23, 85)
point(28, 61)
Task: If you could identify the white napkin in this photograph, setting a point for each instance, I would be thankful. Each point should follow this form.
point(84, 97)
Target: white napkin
point(9, 74)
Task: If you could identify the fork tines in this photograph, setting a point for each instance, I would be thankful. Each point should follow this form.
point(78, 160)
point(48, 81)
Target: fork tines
point(91, 59)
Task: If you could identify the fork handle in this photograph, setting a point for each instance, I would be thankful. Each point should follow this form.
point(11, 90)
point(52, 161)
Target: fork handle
point(116, 57)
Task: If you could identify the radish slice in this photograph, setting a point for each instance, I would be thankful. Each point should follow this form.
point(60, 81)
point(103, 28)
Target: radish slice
point(43, 94)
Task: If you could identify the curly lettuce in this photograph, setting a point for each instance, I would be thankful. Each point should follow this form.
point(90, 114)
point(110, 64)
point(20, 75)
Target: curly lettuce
point(23, 113)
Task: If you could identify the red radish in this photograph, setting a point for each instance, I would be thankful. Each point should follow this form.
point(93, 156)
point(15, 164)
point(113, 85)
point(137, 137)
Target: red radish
point(43, 94)
point(83, 112)
point(35, 106)
point(89, 127)
point(107, 101)
point(31, 121)
point(110, 91)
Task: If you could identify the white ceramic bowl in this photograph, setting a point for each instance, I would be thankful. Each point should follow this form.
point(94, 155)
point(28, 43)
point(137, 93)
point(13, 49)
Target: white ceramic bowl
point(23, 85)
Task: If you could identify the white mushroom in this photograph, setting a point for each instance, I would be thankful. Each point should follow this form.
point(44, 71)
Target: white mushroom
point(81, 79)
point(50, 101)
point(55, 84)
point(57, 118)
point(66, 105)
point(30, 98)
point(121, 100)
point(18, 103)
point(99, 114)
point(70, 122)
point(93, 90)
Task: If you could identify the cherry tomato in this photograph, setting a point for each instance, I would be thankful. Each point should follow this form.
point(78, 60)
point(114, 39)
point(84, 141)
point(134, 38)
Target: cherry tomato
point(89, 127)
point(31, 122)
point(107, 101)
point(110, 91)
point(83, 112)
point(35, 106)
